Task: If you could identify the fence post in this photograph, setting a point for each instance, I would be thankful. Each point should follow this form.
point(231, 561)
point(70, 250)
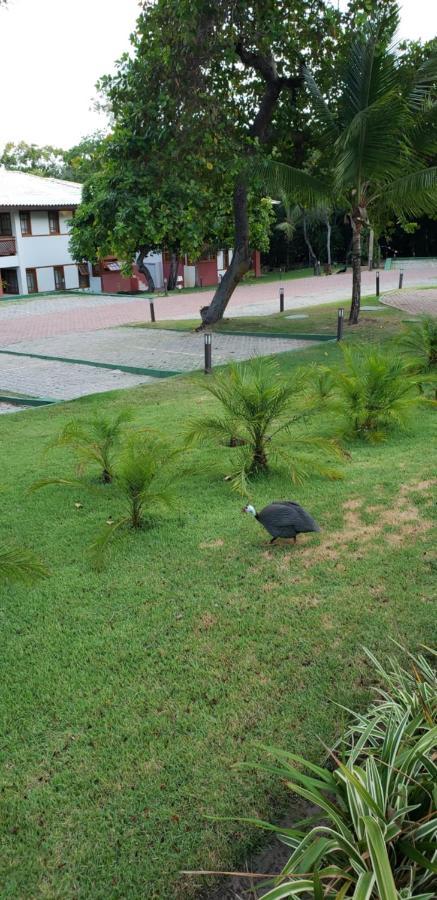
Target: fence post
point(340, 321)
point(208, 353)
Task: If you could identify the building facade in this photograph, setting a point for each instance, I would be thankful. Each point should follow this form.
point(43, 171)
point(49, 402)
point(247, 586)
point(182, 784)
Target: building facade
point(35, 214)
point(34, 234)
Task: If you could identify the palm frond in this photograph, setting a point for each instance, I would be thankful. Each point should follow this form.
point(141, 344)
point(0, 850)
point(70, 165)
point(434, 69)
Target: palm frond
point(280, 179)
point(414, 194)
point(321, 106)
point(18, 564)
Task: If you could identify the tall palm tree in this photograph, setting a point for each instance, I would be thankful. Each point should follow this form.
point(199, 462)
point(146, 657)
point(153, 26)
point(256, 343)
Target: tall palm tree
point(381, 132)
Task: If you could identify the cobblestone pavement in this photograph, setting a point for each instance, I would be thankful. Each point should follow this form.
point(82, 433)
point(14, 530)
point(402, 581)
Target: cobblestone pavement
point(163, 350)
point(60, 381)
point(413, 302)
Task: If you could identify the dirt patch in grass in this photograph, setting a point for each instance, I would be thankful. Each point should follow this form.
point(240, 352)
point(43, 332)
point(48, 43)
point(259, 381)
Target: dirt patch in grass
point(211, 545)
point(403, 516)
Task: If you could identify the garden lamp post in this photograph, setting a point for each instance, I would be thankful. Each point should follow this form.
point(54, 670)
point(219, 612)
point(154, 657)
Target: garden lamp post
point(152, 311)
point(377, 284)
point(401, 278)
point(208, 353)
point(281, 299)
point(340, 322)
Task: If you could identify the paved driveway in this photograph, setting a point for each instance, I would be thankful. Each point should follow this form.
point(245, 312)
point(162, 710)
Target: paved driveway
point(413, 302)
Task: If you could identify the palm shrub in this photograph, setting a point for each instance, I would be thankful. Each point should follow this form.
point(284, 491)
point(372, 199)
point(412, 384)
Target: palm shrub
point(257, 406)
point(379, 832)
point(18, 564)
point(379, 134)
point(418, 345)
point(373, 392)
point(143, 474)
point(94, 441)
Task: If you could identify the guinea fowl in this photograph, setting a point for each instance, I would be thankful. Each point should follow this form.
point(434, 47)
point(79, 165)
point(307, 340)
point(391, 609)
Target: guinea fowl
point(283, 519)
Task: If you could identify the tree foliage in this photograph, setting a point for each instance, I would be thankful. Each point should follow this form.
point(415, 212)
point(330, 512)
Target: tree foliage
point(379, 127)
point(75, 164)
point(190, 104)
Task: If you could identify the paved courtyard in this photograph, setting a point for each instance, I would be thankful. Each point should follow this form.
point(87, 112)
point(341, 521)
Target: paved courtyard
point(165, 351)
point(413, 302)
point(88, 349)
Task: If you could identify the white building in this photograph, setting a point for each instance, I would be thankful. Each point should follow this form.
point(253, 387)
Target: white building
point(34, 215)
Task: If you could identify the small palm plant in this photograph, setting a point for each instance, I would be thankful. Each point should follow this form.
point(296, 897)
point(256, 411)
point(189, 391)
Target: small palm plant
point(258, 405)
point(418, 344)
point(19, 565)
point(143, 477)
point(374, 392)
point(94, 441)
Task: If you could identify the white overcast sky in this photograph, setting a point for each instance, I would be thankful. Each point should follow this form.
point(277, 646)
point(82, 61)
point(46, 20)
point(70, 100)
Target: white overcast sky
point(53, 51)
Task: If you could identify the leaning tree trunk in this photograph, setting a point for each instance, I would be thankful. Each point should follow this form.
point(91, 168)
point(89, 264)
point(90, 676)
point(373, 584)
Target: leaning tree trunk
point(265, 65)
point(173, 272)
point(241, 259)
point(357, 224)
point(141, 266)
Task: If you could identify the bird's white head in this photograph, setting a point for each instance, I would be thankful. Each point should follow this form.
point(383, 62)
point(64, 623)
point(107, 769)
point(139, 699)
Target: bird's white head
point(249, 509)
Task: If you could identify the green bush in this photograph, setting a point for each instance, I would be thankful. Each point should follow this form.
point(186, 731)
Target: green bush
point(258, 407)
point(377, 835)
point(372, 393)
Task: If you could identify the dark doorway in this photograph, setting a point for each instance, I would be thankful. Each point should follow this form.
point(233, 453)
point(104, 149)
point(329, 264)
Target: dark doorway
point(9, 281)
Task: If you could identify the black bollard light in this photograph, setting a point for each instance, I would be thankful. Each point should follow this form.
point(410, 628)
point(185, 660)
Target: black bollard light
point(401, 278)
point(340, 322)
point(165, 287)
point(208, 352)
point(152, 311)
point(377, 284)
point(281, 299)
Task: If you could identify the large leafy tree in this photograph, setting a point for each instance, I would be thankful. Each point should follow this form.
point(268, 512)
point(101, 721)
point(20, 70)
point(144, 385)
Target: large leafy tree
point(190, 106)
point(381, 130)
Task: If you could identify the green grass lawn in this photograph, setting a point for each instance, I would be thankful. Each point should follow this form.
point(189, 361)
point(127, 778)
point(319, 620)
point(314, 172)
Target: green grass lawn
point(318, 319)
point(128, 695)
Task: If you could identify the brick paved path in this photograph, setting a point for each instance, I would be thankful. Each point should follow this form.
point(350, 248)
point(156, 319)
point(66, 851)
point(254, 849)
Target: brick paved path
point(46, 316)
point(413, 302)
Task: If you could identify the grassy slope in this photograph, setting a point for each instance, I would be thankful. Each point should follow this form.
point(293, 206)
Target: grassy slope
point(128, 695)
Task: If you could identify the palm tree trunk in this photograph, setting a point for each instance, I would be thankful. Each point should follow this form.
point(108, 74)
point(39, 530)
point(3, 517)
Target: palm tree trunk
point(328, 243)
point(354, 314)
point(371, 245)
point(312, 255)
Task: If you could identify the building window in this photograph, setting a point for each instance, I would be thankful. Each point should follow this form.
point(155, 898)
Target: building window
point(5, 224)
point(26, 224)
point(58, 272)
point(54, 222)
point(84, 277)
point(32, 283)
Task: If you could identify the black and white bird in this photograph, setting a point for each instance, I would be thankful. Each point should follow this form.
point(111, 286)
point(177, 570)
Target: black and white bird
point(283, 519)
